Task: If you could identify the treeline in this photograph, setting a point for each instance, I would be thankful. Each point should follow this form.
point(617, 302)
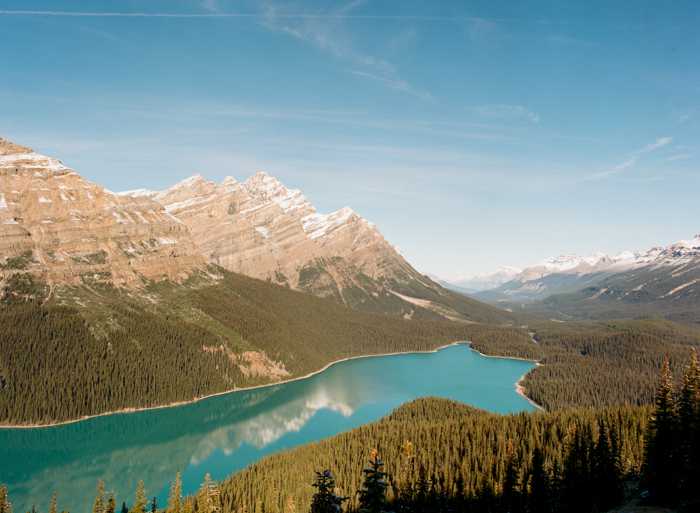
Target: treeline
point(60, 363)
point(597, 364)
point(440, 455)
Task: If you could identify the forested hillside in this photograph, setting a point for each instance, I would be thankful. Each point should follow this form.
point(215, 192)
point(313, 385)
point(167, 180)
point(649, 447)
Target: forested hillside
point(597, 364)
point(70, 352)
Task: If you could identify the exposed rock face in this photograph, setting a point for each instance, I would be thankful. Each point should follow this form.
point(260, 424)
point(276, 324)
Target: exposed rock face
point(262, 229)
point(55, 224)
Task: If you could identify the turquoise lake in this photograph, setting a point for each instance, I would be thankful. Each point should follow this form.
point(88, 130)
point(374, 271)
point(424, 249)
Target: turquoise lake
point(225, 433)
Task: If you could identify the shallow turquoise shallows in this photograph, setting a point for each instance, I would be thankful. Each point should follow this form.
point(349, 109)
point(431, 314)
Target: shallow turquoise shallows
point(225, 433)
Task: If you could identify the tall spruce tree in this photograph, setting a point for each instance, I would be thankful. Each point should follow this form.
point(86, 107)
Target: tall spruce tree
point(111, 504)
point(688, 439)
point(538, 498)
point(208, 497)
point(5, 506)
point(576, 493)
point(141, 501)
point(607, 480)
point(325, 500)
point(52, 505)
point(99, 504)
point(373, 493)
point(511, 495)
point(175, 497)
point(659, 476)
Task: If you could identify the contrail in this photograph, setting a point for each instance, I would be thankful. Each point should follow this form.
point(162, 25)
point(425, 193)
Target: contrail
point(243, 15)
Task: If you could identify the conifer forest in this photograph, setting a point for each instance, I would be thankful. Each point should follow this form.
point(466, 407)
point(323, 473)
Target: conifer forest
point(600, 429)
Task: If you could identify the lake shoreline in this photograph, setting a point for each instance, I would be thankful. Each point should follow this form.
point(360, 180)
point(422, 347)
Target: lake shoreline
point(519, 388)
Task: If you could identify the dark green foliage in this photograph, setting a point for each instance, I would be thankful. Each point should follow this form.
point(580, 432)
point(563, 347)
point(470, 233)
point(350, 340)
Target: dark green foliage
point(56, 370)
point(671, 465)
point(660, 459)
point(372, 495)
point(539, 497)
point(59, 363)
point(597, 364)
point(21, 288)
point(325, 500)
point(458, 456)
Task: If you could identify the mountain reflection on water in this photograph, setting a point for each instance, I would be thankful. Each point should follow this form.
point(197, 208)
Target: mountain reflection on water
point(225, 432)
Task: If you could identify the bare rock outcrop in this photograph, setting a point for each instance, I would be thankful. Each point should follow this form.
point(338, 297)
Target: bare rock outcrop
point(56, 224)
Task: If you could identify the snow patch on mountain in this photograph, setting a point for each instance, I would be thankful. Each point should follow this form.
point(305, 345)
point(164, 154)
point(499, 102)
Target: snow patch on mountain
point(566, 262)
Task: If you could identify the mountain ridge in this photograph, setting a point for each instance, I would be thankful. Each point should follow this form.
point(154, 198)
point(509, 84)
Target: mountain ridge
point(64, 230)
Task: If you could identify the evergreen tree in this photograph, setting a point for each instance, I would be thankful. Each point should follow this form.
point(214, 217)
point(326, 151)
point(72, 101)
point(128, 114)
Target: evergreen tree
point(208, 496)
point(5, 506)
point(510, 498)
point(325, 500)
point(576, 493)
point(422, 489)
point(659, 471)
point(607, 481)
point(124, 508)
point(373, 492)
point(688, 440)
point(52, 507)
point(99, 505)
point(405, 485)
point(154, 506)
point(175, 497)
point(111, 504)
point(538, 498)
point(141, 501)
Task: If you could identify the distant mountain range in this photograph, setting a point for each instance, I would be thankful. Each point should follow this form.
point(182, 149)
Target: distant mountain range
point(66, 231)
point(664, 280)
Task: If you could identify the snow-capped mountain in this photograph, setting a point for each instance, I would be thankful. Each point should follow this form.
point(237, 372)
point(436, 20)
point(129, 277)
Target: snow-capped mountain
point(568, 273)
point(483, 281)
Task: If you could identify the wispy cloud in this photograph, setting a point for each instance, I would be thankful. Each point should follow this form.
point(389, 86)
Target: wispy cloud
point(683, 116)
point(507, 111)
point(661, 141)
point(397, 84)
point(610, 172)
point(681, 156)
point(626, 164)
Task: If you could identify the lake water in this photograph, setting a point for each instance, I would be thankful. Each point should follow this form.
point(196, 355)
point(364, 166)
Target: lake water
point(225, 433)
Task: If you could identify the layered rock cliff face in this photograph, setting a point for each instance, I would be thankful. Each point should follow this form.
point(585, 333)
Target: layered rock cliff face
point(262, 229)
point(56, 225)
point(66, 230)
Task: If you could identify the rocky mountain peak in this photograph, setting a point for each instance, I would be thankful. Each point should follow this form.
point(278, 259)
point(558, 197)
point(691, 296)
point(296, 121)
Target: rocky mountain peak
point(57, 225)
point(7, 147)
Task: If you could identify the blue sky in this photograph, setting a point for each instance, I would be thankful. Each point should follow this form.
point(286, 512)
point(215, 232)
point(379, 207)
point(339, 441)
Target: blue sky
point(474, 134)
